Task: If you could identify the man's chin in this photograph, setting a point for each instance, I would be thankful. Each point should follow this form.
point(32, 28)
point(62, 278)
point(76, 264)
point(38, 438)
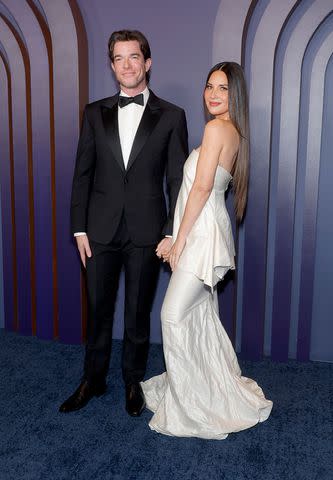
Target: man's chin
point(130, 86)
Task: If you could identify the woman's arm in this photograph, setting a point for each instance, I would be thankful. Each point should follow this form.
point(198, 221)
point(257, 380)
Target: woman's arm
point(213, 140)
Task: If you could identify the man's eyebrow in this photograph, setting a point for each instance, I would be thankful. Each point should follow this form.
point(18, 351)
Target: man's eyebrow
point(118, 55)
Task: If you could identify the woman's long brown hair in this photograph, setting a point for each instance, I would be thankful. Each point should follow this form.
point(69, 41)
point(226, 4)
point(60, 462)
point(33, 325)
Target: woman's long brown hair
point(239, 116)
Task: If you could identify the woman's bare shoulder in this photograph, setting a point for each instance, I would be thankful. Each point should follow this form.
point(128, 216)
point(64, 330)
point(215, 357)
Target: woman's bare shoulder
point(221, 130)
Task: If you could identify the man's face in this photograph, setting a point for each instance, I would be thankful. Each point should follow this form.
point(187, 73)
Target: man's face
point(130, 66)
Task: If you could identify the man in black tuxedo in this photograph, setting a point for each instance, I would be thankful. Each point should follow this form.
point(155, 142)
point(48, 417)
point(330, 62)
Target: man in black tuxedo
point(128, 144)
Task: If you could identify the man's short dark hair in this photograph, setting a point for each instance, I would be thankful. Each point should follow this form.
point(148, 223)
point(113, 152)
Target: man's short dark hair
point(126, 36)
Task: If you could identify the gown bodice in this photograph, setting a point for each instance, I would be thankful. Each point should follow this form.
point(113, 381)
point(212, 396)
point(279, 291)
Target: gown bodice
point(209, 250)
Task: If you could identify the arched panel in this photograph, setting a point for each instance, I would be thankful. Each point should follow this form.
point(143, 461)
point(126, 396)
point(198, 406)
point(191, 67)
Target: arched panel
point(286, 174)
point(321, 333)
point(40, 112)
point(227, 42)
point(7, 196)
point(66, 115)
point(263, 33)
point(314, 66)
point(227, 45)
point(40, 18)
point(269, 258)
point(22, 152)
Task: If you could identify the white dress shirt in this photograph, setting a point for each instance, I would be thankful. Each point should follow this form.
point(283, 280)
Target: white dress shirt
point(129, 118)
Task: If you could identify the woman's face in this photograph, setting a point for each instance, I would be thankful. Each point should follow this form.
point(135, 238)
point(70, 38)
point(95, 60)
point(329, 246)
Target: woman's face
point(216, 95)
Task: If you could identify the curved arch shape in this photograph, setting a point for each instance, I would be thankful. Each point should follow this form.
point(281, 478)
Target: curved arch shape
point(40, 17)
point(83, 99)
point(7, 176)
point(24, 195)
point(32, 27)
point(6, 13)
point(82, 41)
point(40, 112)
point(321, 345)
point(310, 185)
point(286, 174)
point(66, 76)
point(229, 46)
point(259, 65)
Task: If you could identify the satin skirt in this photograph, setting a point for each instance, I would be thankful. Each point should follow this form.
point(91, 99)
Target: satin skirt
point(202, 393)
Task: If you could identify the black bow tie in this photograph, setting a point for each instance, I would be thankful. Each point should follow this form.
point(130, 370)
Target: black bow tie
point(123, 101)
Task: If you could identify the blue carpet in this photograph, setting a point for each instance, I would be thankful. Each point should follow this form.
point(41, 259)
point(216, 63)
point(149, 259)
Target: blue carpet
point(102, 442)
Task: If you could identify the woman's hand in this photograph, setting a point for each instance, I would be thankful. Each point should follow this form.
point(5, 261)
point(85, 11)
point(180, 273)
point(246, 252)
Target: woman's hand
point(175, 252)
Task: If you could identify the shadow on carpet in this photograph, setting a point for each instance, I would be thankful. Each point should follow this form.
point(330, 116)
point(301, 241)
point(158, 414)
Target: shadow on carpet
point(102, 442)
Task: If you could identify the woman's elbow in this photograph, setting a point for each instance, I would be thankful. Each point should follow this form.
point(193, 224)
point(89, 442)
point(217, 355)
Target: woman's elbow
point(202, 190)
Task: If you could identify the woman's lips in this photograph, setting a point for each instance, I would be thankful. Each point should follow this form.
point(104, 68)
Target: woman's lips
point(214, 104)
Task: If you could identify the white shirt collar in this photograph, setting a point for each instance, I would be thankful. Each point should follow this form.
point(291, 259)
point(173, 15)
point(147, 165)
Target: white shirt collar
point(145, 93)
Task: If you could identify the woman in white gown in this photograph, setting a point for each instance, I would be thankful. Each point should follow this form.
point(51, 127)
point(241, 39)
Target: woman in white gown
point(202, 393)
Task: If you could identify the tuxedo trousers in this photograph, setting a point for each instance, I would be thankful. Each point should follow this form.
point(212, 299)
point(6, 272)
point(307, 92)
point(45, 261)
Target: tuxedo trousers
point(141, 269)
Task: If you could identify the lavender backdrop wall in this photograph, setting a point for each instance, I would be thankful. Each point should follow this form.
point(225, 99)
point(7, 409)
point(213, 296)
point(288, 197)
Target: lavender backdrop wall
point(279, 302)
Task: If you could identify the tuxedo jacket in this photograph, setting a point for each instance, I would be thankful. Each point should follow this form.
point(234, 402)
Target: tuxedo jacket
point(103, 190)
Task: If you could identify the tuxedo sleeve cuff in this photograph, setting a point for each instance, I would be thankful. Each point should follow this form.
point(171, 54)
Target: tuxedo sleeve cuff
point(79, 234)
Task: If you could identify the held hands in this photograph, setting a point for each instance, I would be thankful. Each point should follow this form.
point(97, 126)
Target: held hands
point(83, 247)
point(163, 248)
point(172, 254)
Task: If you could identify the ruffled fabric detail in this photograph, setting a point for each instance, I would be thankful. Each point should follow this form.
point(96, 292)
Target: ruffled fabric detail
point(209, 251)
point(209, 257)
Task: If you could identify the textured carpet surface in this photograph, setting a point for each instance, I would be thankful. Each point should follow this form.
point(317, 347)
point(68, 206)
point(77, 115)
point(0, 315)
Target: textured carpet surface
point(103, 442)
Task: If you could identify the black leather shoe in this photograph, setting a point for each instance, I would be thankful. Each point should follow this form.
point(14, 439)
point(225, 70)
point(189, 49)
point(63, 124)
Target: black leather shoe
point(135, 400)
point(85, 392)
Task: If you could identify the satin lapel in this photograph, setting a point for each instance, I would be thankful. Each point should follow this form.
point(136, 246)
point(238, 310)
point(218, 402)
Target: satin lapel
point(110, 121)
point(148, 122)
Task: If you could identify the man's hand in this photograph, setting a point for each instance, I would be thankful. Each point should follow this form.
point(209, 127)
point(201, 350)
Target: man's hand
point(83, 247)
point(163, 248)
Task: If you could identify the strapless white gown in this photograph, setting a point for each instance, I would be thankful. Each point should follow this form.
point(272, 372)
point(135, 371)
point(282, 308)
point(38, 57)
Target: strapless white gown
point(202, 393)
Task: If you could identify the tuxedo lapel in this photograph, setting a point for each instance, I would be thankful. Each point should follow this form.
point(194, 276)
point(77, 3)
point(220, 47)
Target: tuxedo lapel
point(110, 121)
point(149, 119)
